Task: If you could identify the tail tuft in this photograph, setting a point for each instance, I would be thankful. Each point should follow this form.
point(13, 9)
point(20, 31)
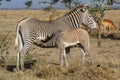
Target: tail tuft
point(16, 42)
point(17, 36)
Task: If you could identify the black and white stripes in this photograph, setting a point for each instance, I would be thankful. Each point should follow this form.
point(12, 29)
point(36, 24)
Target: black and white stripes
point(74, 18)
point(31, 29)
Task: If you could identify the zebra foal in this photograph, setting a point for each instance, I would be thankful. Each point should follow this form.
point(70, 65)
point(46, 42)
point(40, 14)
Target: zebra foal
point(30, 29)
point(65, 39)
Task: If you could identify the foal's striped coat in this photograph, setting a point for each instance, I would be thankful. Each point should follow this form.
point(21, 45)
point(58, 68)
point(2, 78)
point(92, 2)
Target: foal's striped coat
point(69, 38)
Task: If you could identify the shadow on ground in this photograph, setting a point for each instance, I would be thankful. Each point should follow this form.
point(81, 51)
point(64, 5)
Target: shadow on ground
point(28, 65)
point(111, 36)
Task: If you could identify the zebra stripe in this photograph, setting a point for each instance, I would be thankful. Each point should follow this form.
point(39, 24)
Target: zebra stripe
point(32, 29)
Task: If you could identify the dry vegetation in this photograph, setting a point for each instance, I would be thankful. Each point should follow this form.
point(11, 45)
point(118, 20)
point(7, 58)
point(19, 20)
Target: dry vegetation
point(43, 63)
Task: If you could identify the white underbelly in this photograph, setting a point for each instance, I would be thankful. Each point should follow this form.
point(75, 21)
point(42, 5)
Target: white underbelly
point(67, 44)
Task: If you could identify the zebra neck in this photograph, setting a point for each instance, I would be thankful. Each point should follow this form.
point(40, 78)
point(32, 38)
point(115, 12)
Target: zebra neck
point(74, 18)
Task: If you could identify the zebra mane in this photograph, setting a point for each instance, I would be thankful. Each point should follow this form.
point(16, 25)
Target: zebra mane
point(70, 12)
point(78, 7)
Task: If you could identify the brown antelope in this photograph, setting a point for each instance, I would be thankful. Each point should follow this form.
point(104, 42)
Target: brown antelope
point(108, 26)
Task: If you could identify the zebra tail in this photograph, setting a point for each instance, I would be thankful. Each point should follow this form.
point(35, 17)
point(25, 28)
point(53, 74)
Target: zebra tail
point(17, 37)
point(16, 42)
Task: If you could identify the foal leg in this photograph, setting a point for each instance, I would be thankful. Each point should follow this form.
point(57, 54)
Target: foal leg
point(83, 56)
point(83, 53)
point(63, 57)
point(84, 50)
point(89, 53)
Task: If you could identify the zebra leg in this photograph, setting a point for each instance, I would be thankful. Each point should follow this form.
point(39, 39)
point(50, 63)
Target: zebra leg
point(91, 58)
point(83, 52)
point(90, 55)
point(83, 56)
point(22, 62)
point(18, 61)
point(63, 58)
point(23, 52)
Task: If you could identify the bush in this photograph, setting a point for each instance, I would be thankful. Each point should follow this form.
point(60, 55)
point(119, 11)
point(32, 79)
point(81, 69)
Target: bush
point(4, 46)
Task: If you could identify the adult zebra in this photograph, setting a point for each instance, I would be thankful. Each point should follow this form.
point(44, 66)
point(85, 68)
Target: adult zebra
point(30, 29)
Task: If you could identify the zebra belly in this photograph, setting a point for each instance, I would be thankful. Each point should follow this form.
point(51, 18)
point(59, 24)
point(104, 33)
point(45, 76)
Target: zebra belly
point(67, 44)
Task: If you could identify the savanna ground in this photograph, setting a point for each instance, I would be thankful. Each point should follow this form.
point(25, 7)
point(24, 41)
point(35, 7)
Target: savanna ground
point(43, 63)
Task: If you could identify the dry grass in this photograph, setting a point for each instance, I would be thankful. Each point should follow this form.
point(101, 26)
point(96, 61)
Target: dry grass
point(43, 63)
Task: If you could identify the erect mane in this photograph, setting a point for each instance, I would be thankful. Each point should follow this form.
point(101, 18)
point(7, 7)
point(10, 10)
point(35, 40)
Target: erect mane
point(73, 10)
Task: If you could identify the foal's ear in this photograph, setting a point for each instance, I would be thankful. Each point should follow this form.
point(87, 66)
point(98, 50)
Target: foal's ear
point(85, 7)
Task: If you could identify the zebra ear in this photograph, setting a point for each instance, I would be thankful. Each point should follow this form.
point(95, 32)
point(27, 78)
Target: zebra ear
point(85, 7)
